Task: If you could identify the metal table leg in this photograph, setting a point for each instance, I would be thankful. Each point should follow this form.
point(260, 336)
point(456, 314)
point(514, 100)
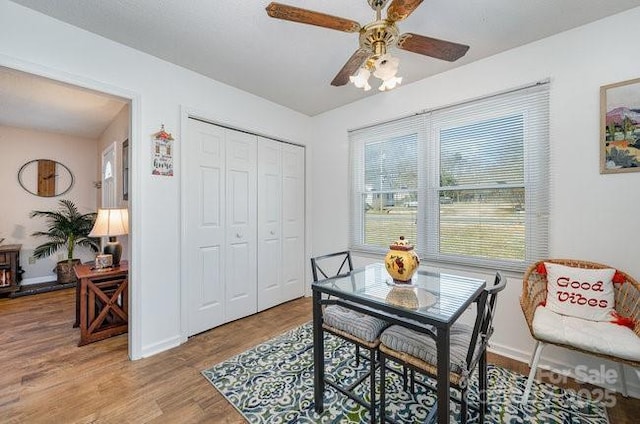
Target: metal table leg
point(318, 354)
point(442, 344)
point(483, 384)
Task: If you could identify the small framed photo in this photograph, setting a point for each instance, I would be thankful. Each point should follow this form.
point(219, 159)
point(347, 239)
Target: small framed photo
point(125, 170)
point(620, 127)
point(104, 261)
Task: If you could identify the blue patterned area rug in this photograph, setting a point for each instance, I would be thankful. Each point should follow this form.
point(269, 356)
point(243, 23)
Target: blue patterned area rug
point(273, 383)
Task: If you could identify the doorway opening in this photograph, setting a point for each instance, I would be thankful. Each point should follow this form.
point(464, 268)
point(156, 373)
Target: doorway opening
point(56, 118)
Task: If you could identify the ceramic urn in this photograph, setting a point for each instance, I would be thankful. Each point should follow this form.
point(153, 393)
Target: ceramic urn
point(401, 261)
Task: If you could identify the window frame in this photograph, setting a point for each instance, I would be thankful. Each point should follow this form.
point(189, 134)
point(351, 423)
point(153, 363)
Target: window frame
point(427, 126)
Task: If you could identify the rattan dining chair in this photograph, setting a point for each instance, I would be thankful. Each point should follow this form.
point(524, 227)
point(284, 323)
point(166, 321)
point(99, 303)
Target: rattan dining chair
point(468, 345)
point(359, 329)
point(594, 338)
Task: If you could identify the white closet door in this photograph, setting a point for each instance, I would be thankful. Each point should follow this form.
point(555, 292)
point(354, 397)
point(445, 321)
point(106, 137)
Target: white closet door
point(292, 221)
point(205, 229)
point(241, 206)
point(270, 285)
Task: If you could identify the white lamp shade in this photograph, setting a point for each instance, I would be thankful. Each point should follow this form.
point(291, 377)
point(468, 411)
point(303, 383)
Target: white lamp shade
point(111, 222)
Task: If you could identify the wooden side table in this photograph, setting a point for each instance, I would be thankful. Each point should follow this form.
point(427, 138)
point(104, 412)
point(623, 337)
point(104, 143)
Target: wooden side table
point(102, 302)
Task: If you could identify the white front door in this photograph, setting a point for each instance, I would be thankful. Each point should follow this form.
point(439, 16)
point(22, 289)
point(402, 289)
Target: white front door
point(205, 230)
point(109, 168)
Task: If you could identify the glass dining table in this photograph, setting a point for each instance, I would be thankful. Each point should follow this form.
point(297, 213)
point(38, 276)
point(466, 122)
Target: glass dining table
point(431, 298)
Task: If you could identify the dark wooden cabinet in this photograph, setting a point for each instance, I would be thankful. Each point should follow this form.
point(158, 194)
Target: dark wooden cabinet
point(10, 269)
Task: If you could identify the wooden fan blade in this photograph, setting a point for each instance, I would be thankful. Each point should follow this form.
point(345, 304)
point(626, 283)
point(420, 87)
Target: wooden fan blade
point(355, 61)
point(296, 14)
point(400, 9)
point(440, 49)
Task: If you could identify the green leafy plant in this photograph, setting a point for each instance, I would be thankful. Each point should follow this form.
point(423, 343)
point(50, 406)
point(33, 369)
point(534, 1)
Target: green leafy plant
point(66, 228)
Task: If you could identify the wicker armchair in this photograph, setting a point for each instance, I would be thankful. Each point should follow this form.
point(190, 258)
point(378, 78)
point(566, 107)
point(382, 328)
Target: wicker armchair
point(534, 294)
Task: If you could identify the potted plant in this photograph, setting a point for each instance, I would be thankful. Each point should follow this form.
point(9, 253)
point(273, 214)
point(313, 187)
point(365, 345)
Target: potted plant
point(67, 228)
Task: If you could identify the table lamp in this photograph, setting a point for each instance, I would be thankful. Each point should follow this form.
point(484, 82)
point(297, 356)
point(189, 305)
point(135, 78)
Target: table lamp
point(111, 223)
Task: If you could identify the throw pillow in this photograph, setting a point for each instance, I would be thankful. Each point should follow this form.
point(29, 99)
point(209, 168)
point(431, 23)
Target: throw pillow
point(581, 293)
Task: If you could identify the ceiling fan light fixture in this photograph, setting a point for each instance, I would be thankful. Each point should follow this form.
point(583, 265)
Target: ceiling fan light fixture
point(390, 84)
point(386, 67)
point(361, 79)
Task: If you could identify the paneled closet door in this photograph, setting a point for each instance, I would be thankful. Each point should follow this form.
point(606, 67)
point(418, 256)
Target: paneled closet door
point(270, 285)
point(205, 226)
point(241, 213)
point(293, 174)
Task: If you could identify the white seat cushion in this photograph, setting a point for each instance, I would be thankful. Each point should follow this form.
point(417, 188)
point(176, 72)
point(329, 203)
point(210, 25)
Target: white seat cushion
point(594, 336)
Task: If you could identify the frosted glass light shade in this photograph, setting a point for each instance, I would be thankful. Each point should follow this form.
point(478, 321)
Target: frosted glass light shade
point(386, 67)
point(390, 83)
point(361, 79)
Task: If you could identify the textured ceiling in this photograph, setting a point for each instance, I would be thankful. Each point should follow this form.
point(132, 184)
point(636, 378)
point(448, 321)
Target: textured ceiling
point(28, 101)
point(292, 64)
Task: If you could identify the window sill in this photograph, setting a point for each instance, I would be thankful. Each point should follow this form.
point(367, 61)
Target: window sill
point(470, 270)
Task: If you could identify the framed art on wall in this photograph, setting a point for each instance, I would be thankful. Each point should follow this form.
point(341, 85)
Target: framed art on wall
point(125, 170)
point(620, 127)
point(162, 153)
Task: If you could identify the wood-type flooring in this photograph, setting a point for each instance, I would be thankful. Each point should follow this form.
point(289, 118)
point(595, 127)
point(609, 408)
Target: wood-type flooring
point(46, 378)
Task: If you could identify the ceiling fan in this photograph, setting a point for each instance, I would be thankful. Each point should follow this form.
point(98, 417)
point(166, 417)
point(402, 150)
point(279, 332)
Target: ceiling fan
point(375, 40)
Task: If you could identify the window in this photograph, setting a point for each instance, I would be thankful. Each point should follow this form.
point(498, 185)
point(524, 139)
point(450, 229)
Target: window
point(108, 172)
point(385, 184)
point(467, 184)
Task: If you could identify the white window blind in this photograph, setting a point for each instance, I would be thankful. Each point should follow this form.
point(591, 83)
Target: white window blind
point(385, 188)
point(474, 193)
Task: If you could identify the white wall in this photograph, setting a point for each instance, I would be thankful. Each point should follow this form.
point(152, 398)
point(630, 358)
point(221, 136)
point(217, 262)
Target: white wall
point(593, 216)
point(19, 146)
point(39, 44)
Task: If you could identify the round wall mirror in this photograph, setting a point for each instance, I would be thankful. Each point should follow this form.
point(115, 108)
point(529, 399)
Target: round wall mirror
point(45, 178)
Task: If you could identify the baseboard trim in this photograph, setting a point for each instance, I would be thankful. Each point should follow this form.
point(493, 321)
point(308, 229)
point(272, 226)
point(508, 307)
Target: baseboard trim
point(161, 346)
point(568, 369)
point(38, 280)
point(509, 352)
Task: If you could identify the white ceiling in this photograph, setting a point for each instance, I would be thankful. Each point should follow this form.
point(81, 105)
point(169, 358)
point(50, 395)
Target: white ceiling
point(292, 64)
point(28, 101)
